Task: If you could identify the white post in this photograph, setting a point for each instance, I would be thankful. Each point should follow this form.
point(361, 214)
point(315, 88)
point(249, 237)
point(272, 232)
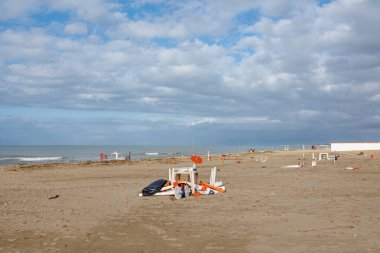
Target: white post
point(213, 176)
point(192, 180)
point(208, 155)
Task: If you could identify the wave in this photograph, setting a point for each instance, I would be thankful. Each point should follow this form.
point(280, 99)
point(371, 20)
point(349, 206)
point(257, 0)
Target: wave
point(152, 153)
point(38, 159)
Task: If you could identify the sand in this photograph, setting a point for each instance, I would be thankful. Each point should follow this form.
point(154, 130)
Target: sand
point(266, 208)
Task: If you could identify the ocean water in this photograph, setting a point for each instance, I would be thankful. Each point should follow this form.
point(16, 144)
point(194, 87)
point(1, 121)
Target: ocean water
point(25, 154)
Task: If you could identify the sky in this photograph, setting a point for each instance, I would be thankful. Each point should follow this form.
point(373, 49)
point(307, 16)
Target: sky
point(193, 72)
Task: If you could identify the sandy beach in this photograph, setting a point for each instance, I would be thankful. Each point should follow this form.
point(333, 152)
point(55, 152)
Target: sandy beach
point(94, 206)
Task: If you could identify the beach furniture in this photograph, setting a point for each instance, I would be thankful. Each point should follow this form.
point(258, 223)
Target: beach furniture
point(323, 156)
point(128, 158)
point(190, 174)
point(213, 176)
point(183, 182)
point(219, 189)
point(117, 156)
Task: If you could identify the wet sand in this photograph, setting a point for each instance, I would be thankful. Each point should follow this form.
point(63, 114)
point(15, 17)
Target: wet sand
point(94, 207)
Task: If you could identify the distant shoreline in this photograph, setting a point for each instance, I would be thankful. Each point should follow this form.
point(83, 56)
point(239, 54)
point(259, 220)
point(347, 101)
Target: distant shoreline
point(168, 160)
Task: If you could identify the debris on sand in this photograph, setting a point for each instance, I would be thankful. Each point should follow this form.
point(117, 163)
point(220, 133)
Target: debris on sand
point(183, 182)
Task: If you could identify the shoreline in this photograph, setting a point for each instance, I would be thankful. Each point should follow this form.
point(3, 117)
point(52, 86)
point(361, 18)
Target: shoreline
point(169, 160)
point(22, 154)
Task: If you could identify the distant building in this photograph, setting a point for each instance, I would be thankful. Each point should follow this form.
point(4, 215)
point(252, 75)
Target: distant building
point(354, 146)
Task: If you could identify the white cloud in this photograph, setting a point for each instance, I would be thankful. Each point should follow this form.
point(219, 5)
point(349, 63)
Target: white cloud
point(76, 28)
point(162, 90)
point(376, 98)
point(234, 121)
point(98, 97)
point(201, 122)
point(14, 9)
point(308, 114)
point(149, 100)
point(196, 58)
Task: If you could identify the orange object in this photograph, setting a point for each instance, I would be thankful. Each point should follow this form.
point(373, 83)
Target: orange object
point(196, 159)
point(181, 181)
point(212, 187)
point(197, 194)
point(222, 159)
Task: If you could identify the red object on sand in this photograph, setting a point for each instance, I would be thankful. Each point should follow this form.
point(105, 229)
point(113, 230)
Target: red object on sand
point(196, 159)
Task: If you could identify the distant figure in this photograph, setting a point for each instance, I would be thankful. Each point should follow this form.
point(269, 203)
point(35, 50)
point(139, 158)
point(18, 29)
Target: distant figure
point(313, 147)
point(251, 150)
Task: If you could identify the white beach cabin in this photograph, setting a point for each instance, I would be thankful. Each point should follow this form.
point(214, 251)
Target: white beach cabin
point(354, 146)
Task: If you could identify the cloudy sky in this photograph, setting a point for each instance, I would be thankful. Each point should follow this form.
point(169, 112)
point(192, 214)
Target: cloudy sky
point(216, 72)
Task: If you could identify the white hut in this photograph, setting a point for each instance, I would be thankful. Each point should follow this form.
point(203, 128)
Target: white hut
point(354, 146)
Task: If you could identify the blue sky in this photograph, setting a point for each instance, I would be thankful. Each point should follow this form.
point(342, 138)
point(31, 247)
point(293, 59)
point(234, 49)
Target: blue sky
point(183, 72)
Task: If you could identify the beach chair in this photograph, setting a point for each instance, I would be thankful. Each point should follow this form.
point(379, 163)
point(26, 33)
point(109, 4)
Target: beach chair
point(128, 157)
point(190, 174)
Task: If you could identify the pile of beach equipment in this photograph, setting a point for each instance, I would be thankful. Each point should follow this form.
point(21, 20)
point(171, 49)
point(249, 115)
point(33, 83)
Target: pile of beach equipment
point(183, 182)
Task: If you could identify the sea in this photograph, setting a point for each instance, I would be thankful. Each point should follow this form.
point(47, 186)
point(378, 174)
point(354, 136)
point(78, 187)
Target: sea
point(33, 154)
